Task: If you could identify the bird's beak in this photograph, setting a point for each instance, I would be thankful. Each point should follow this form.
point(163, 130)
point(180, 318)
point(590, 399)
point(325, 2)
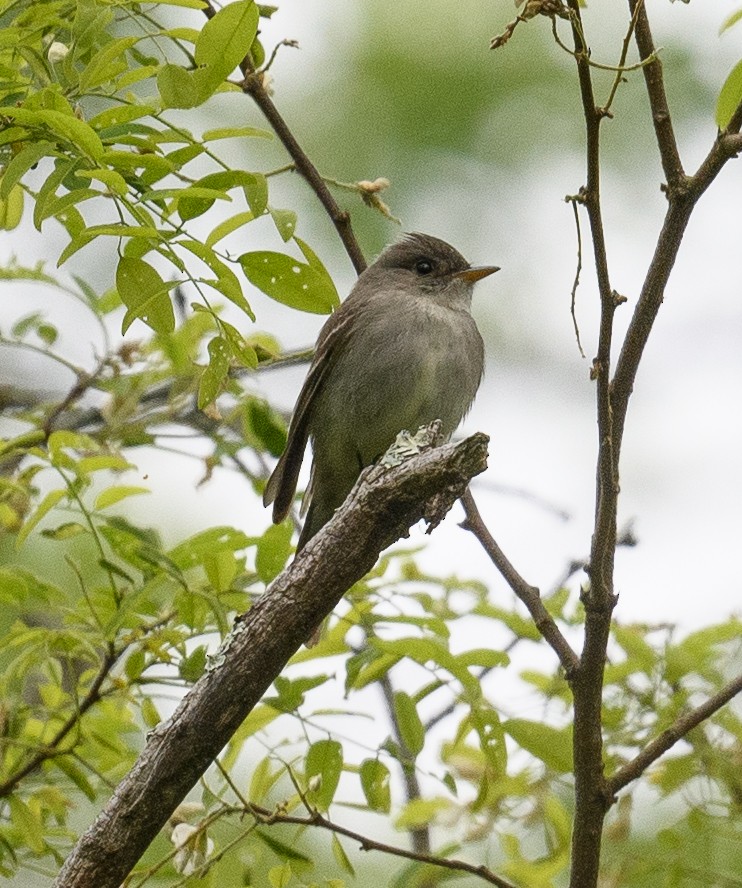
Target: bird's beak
point(472, 275)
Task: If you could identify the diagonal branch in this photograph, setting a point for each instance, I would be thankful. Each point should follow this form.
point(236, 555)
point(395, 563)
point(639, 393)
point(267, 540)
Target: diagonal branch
point(382, 507)
point(263, 815)
point(253, 85)
point(528, 594)
point(51, 748)
point(681, 203)
point(667, 739)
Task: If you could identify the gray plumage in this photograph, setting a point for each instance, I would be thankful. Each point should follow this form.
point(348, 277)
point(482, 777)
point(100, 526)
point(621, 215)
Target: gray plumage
point(400, 352)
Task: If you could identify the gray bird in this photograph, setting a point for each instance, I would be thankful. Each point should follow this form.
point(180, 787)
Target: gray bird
point(402, 351)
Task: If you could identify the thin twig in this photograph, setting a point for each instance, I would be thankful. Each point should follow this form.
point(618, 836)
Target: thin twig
point(606, 109)
point(254, 87)
point(669, 154)
point(49, 750)
point(668, 738)
point(528, 594)
point(574, 200)
point(366, 844)
point(620, 68)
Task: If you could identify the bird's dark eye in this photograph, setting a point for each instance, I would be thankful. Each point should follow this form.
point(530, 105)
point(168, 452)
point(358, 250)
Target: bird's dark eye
point(423, 266)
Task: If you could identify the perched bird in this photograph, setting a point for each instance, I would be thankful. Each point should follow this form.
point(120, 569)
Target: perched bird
point(402, 351)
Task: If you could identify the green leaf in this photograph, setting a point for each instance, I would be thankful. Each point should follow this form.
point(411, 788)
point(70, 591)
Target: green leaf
point(21, 164)
point(101, 462)
point(65, 531)
point(730, 21)
point(256, 721)
point(11, 210)
point(66, 127)
point(75, 773)
point(421, 812)
point(262, 779)
point(226, 38)
point(263, 427)
point(553, 746)
point(273, 551)
point(287, 852)
point(221, 569)
point(241, 351)
point(289, 281)
point(483, 657)
point(65, 439)
point(256, 194)
point(215, 373)
point(226, 281)
point(29, 825)
point(280, 876)
point(114, 181)
point(236, 132)
point(338, 852)
point(375, 782)
point(118, 115)
point(109, 61)
point(82, 235)
point(177, 87)
point(222, 44)
point(145, 295)
point(191, 204)
point(44, 507)
point(189, 4)
point(285, 222)
point(427, 650)
point(134, 664)
point(47, 333)
point(228, 226)
point(729, 97)
point(191, 668)
point(369, 671)
point(150, 713)
point(410, 726)
point(324, 760)
point(112, 495)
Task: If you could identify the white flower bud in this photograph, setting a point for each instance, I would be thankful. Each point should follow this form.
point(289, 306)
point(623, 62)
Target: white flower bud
point(194, 848)
point(57, 52)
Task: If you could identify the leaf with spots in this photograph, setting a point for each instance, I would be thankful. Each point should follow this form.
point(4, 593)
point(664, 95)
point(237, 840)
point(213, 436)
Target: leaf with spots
point(296, 284)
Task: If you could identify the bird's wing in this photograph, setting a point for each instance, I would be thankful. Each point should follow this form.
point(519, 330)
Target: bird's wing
point(281, 485)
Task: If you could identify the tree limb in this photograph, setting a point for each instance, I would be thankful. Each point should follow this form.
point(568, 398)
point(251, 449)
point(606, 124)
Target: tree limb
point(598, 598)
point(528, 594)
point(668, 738)
point(381, 508)
point(681, 203)
point(669, 154)
point(316, 819)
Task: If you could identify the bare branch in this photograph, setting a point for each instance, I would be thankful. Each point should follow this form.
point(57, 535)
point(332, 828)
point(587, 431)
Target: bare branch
point(681, 203)
point(366, 844)
point(382, 507)
point(667, 739)
point(528, 594)
point(671, 163)
point(574, 200)
point(591, 800)
point(254, 86)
